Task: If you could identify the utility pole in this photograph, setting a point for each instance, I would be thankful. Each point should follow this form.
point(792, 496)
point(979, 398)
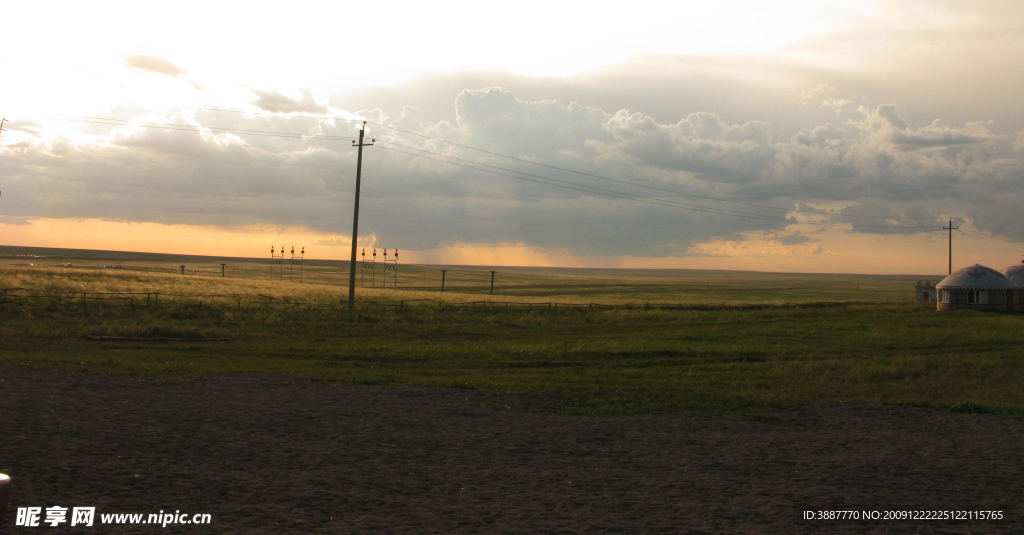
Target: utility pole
point(355, 217)
point(950, 228)
point(222, 270)
point(443, 271)
point(492, 282)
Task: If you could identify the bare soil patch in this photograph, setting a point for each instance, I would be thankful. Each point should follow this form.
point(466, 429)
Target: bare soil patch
point(269, 454)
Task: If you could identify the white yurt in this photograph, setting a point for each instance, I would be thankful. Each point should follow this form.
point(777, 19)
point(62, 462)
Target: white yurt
point(1015, 273)
point(978, 288)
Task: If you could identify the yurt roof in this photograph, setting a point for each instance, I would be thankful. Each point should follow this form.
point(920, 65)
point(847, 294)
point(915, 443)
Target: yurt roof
point(976, 277)
point(1015, 273)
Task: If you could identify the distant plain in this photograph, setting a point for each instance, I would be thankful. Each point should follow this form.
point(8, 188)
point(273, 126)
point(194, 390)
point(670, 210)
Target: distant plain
point(753, 343)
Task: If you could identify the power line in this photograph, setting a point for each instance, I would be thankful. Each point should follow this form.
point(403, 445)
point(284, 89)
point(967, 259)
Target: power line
point(971, 232)
point(613, 195)
point(589, 189)
point(665, 190)
point(544, 180)
point(594, 188)
point(627, 196)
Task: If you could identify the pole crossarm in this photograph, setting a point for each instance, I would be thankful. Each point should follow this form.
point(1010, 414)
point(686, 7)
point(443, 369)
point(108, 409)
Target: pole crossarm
point(355, 217)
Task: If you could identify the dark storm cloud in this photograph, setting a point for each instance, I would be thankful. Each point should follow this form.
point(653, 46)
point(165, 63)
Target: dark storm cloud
point(888, 174)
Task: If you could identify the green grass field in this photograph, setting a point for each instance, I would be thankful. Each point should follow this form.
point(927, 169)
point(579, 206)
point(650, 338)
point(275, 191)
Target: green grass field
point(755, 354)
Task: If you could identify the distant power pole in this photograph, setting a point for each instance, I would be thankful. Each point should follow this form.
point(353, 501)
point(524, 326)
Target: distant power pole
point(950, 228)
point(355, 217)
point(443, 271)
point(492, 282)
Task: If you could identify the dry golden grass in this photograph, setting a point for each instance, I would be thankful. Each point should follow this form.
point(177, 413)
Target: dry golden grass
point(327, 281)
point(109, 280)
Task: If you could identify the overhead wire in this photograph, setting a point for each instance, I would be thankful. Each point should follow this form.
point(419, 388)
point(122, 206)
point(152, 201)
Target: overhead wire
point(619, 194)
point(611, 194)
point(539, 179)
point(627, 196)
point(637, 184)
point(549, 180)
point(978, 234)
point(627, 182)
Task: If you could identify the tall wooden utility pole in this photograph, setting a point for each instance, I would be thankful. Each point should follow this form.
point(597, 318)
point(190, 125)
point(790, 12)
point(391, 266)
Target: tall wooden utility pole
point(950, 228)
point(355, 218)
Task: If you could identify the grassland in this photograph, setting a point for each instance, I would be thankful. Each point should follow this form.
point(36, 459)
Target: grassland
point(462, 283)
point(753, 354)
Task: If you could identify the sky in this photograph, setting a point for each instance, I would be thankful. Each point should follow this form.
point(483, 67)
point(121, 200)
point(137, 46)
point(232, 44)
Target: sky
point(803, 136)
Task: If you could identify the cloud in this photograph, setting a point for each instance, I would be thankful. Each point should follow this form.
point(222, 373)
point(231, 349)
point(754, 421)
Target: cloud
point(938, 134)
point(155, 64)
point(888, 112)
point(759, 244)
point(275, 102)
point(159, 66)
point(638, 185)
point(23, 125)
point(815, 92)
point(837, 103)
point(824, 135)
point(794, 239)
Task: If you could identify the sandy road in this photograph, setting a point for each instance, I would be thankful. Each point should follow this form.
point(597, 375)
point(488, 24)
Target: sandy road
point(266, 454)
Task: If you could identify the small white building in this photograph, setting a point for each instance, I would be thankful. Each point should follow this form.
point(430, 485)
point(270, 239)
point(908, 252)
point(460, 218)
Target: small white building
point(926, 292)
point(978, 288)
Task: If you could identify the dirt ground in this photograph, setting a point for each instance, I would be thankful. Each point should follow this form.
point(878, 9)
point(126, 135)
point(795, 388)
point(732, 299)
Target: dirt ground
point(267, 454)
